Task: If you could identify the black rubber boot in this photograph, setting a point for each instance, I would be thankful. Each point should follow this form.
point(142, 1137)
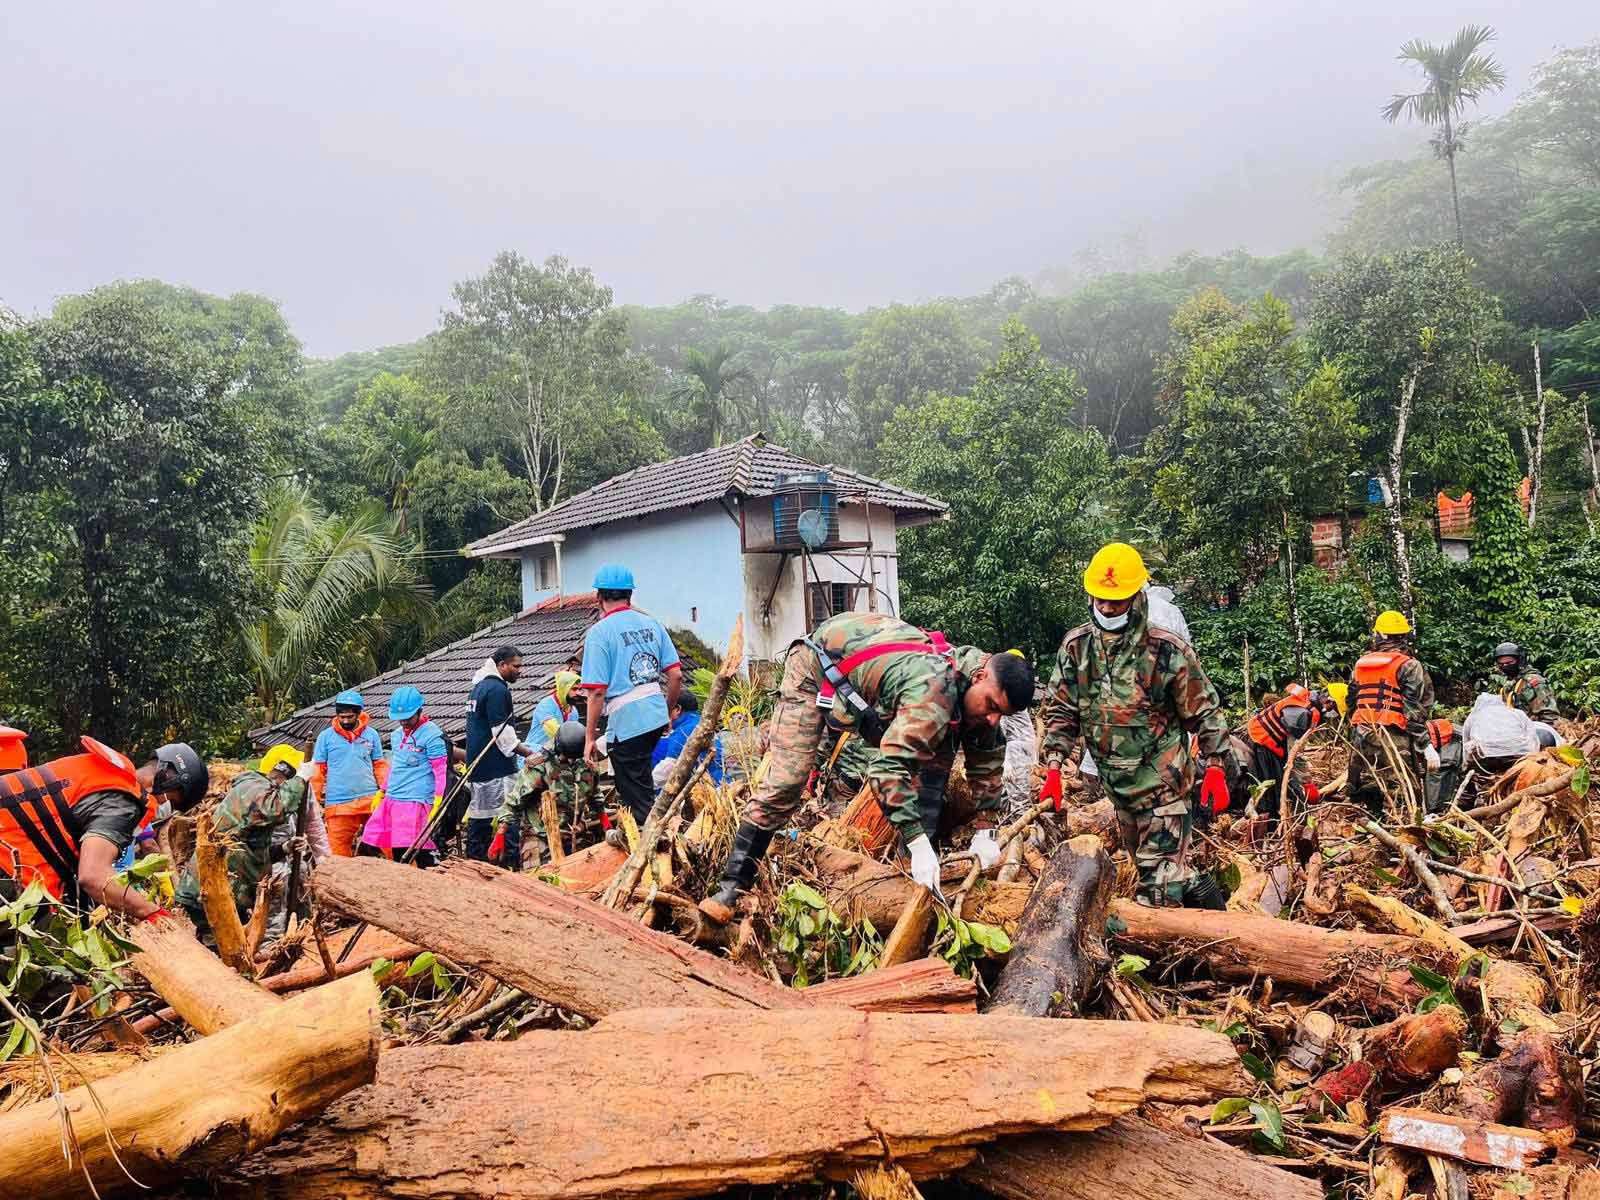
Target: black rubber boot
point(1205, 892)
point(750, 843)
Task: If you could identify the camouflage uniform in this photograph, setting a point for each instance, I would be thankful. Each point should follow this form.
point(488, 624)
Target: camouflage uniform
point(1131, 698)
point(845, 778)
point(571, 779)
point(918, 696)
point(1371, 757)
point(1532, 693)
point(255, 806)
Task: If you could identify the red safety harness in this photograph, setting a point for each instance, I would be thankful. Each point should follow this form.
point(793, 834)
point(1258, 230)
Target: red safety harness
point(863, 718)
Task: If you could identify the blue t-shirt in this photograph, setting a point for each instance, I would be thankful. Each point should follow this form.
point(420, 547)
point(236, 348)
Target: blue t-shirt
point(349, 762)
point(547, 709)
point(410, 765)
point(628, 652)
point(672, 745)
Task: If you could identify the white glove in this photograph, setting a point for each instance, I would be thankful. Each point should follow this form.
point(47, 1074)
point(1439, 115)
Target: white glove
point(986, 848)
point(305, 770)
point(1431, 757)
point(925, 864)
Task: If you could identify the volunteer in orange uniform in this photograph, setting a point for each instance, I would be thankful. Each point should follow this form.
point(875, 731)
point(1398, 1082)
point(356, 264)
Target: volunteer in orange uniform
point(1272, 733)
point(64, 822)
point(348, 771)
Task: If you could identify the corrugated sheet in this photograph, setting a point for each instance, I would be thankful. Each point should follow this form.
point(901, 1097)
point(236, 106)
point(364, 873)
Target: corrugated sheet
point(547, 636)
point(743, 468)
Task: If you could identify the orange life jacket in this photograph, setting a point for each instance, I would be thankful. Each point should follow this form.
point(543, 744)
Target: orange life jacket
point(1267, 729)
point(36, 838)
point(1377, 698)
point(1440, 731)
point(13, 749)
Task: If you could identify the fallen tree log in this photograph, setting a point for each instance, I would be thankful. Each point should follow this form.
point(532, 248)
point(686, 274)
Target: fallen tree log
point(1133, 1160)
point(1532, 1080)
point(857, 885)
point(216, 897)
point(923, 985)
point(682, 1102)
point(1058, 946)
point(1407, 1052)
point(374, 944)
point(200, 987)
point(555, 946)
point(200, 1106)
point(1371, 967)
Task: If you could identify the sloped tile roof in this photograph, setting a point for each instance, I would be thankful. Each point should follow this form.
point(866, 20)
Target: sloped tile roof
point(547, 636)
point(747, 467)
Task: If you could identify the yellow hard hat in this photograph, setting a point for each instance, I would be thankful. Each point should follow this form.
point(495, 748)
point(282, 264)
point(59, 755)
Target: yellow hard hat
point(1391, 622)
point(1016, 652)
point(1340, 692)
point(282, 753)
point(1115, 572)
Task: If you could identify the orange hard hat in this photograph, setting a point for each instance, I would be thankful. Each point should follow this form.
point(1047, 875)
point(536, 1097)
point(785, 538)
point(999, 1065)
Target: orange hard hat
point(13, 749)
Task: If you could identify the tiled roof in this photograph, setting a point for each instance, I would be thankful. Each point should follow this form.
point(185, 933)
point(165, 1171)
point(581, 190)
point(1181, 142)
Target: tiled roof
point(743, 468)
point(547, 636)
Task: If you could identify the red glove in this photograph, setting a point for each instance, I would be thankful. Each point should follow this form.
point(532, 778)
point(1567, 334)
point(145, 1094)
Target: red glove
point(1214, 791)
point(605, 820)
point(1052, 787)
point(1313, 794)
point(498, 846)
point(158, 915)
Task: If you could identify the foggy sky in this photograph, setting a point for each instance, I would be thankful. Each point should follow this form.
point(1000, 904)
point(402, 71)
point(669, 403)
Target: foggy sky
point(353, 160)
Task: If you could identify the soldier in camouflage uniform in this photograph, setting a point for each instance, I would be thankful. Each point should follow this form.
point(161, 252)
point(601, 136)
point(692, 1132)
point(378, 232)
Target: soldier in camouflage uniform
point(1391, 699)
point(559, 769)
point(1133, 694)
point(246, 818)
point(908, 695)
point(1528, 690)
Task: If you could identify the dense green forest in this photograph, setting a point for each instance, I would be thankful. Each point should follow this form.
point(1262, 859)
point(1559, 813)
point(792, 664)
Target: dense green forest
point(206, 530)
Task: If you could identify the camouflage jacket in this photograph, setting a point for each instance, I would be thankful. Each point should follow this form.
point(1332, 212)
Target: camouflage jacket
point(245, 818)
point(571, 779)
point(919, 697)
point(1130, 697)
point(1416, 690)
point(1532, 693)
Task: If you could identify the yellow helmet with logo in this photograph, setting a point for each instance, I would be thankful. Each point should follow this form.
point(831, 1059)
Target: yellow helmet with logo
point(1115, 572)
point(1390, 623)
point(280, 755)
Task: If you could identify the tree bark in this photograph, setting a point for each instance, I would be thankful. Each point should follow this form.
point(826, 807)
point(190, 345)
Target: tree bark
point(216, 897)
point(555, 946)
point(200, 1106)
point(1058, 946)
point(1481, 1142)
point(925, 985)
point(683, 1102)
point(1371, 967)
point(1395, 484)
point(1130, 1159)
point(1407, 1052)
point(1536, 464)
point(1532, 1081)
point(200, 987)
point(856, 884)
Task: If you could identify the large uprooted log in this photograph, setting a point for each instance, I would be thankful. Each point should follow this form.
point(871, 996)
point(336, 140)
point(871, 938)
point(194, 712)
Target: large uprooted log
point(555, 946)
point(1132, 1160)
point(1058, 944)
point(1371, 967)
point(668, 1103)
point(199, 986)
point(200, 1106)
point(923, 985)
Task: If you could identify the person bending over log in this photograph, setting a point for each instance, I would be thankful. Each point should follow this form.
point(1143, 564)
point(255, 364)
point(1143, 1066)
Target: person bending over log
point(909, 694)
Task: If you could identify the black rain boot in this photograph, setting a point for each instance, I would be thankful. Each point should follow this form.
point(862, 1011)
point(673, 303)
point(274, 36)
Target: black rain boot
point(1205, 892)
point(750, 843)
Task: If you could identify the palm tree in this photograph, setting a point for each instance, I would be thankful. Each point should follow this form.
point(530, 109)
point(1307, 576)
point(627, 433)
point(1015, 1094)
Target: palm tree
point(394, 458)
point(706, 386)
point(335, 588)
point(1457, 74)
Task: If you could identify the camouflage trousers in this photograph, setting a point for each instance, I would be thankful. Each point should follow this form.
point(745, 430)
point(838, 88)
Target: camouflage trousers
point(797, 730)
point(1380, 764)
point(1155, 830)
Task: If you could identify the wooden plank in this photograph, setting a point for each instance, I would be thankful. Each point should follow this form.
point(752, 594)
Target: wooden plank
point(1509, 1147)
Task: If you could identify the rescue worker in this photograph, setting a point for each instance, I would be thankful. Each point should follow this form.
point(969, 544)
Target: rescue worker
point(1133, 694)
point(348, 771)
point(559, 769)
point(13, 749)
point(419, 760)
point(685, 720)
point(1391, 699)
point(493, 746)
point(1528, 690)
point(65, 821)
point(1271, 733)
point(1442, 785)
point(632, 677)
point(245, 819)
point(558, 706)
point(910, 697)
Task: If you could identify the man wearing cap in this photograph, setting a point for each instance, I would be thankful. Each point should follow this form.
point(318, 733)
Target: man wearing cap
point(493, 745)
point(1525, 688)
point(1391, 699)
point(632, 678)
point(348, 770)
point(1135, 694)
point(418, 761)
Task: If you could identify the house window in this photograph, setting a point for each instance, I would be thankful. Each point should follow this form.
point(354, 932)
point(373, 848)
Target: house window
point(544, 573)
point(824, 600)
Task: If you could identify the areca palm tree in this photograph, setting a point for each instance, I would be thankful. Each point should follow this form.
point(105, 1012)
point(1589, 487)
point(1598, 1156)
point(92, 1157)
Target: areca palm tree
point(706, 387)
point(1457, 74)
point(335, 587)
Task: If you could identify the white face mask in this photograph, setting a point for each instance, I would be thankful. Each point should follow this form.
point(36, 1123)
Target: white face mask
point(1109, 624)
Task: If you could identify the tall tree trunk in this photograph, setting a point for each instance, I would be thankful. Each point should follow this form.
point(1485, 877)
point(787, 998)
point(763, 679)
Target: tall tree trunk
point(1391, 499)
point(1291, 587)
point(1536, 467)
point(1455, 194)
point(1594, 465)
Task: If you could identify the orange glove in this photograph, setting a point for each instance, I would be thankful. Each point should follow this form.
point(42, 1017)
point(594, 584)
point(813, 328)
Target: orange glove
point(1052, 787)
point(1214, 791)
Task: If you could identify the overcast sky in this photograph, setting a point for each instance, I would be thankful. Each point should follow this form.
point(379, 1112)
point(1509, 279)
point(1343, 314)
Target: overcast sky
point(352, 160)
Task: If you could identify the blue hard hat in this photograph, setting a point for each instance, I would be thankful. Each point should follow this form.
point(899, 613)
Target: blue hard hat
point(349, 697)
point(405, 703)
point(613, 577)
